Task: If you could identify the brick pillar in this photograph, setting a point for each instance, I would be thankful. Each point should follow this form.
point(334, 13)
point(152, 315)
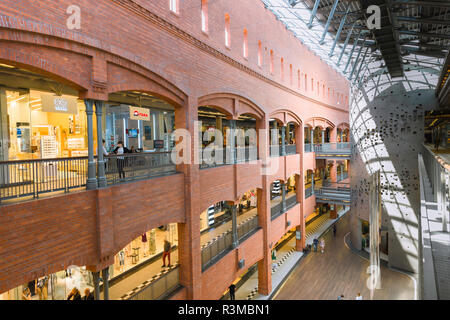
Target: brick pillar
point(333, 135)
point(333, 212)
point(264, 221)
point(189, 250)
point(333, 171)
point(300, 185)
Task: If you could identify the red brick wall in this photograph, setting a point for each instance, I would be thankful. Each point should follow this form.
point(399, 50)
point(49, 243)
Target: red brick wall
point(44, 236)
point(140, 45)
point(217, 278)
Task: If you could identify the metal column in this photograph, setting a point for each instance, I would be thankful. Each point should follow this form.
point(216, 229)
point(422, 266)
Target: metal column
point(283, 197)
point(313, 13)
point(105, 276)
point(283, 141)
point(100, 160)
point(234, 226)
point(312, 183)
point(91, 180)
point(330, 17)
point(96, 277)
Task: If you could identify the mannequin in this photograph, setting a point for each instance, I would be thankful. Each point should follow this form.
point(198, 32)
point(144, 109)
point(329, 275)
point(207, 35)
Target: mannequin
point(144, 243)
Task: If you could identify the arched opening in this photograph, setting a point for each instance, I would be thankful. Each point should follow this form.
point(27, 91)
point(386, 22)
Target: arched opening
point(138, 132)
point(225, 140)
point(276, 134)
point(225, 224)
point(309, 183)
point(283, 196)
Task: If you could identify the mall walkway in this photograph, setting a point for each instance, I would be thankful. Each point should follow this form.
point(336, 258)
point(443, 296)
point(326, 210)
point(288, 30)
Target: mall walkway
point(287, 258)
point(341, 271)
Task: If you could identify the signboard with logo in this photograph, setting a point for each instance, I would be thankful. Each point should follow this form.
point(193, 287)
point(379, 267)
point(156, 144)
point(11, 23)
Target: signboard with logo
point(137, 113)
point(62, 104)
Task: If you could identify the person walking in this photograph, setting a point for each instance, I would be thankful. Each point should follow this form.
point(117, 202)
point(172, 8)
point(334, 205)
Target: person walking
point(341, 297)
point(315, 243)
point(334, 230)
point(322, 245)
point(232, 289)
point(166, 253)
point(358, 297)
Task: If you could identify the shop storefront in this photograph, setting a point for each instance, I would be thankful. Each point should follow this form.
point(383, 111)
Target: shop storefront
point(140, 128)
point(143, 249)
point(56, 286)
point(42, 125)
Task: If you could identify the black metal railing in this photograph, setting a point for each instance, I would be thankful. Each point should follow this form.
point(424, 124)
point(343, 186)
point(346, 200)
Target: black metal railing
point(213, 250)
point(308, 192)
point(275, 150)
point(159, 287)
point(136, 166)
point(308, 147)
point(291, 149)
point(30, 178)
point(224, 156)
point(277, 209)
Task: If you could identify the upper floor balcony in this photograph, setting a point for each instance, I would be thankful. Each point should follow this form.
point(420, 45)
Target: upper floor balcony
point(334, 193)
point(333, 150)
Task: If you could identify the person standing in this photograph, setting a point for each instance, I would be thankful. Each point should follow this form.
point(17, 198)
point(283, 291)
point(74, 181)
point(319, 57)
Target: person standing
point(341, 297)
point(322, 245)
point(119, 150)
point(334, 230)
point(232, 291)
point(358, 297)
point(315, 243)
point(166, 253)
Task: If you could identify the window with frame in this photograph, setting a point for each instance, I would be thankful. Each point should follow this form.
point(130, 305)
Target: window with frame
point(245, 44)
point(173, 5)
point(227, 30)
point(205, 16)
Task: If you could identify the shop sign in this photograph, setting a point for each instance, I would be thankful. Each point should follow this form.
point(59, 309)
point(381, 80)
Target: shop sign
point(62, 104)
point(139, 113)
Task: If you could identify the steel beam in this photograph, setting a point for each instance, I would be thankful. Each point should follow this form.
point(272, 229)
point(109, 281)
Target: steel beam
point(357, 58)
point(346, 43)
point(351, 52)
point(425, 34)
point(424, 20)
point(330, 17)
point(338, 34)
point(313, 14)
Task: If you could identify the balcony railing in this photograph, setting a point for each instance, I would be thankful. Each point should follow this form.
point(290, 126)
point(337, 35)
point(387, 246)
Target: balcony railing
point(275, 150)
point(332, 147)
point(215, 249)
point(223, 156)
point(338, 193)
point(291, 149)
point(158, 288)
point(308, 192)
point(277, 209)
point(136, 166)
point(31, 178)
point(308, 147)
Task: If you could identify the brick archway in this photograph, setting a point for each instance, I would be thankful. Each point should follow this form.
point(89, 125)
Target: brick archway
point(232, 105)
point(286, 116)
point(320, 122)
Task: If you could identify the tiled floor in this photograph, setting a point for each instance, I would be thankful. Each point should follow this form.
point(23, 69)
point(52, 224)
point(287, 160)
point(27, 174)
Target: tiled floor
point(287, 259)
point(340, 271)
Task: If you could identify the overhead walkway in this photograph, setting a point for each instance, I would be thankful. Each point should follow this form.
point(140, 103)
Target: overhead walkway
point(334, 193)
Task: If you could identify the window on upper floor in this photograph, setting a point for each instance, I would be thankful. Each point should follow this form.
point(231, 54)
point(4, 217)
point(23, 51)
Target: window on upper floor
point(306, 82)
point(318, 88)
point(205, 16)
point(298, 78)
point(282, 69)
point(227, 30)
point(271, 61)
point(245, 44)
point(291, 80)
point(312, 85)
point(173, 5)
point(259, 53)
point(323, 90)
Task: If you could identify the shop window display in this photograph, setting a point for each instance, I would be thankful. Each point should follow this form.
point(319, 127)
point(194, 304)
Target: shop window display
point(56, 286)
point(42, 125)
point(143, 248)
